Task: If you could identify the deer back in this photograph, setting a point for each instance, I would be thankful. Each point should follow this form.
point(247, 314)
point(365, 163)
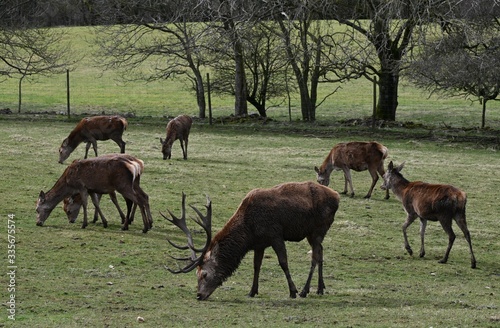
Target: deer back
point(358, 155)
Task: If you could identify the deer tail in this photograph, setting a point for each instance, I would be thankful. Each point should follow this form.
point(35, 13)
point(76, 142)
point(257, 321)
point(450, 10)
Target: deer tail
point(136, 168)
point(124, 122)
point(384, 151)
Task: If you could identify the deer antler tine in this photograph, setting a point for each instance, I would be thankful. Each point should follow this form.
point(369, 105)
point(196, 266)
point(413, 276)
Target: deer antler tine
point(205, 223)
point(186, 269)
point(177, 246)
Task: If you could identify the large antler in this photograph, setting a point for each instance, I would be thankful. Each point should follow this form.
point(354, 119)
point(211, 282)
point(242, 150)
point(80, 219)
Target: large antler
point(204, 221)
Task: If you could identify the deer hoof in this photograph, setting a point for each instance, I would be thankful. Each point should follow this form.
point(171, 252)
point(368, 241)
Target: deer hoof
point(409, 250)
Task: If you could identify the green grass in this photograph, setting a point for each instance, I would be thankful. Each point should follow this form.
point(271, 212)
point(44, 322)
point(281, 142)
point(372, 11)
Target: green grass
point(72, 277)
point(95, 91)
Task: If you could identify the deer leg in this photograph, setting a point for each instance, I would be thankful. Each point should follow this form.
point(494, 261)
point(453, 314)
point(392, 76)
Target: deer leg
point(462, 224)
point(184, 155)
point(280, 249)
point(186, 147)
point(96, 213)
point(381, 171)
point(409, 220)
point(131, 207)
point(95, 200)
point(423, 225)
point(87, 147)
point(374, 182)
point(143, 203)
point(112, 195)
point(446, 224)
point(84, 195)
point(348, 179)
point(119, 141)
point(317, 259)
point(258, 255)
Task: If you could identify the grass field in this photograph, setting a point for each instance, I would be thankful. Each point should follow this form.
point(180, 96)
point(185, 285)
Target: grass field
point(72, 277)
point(66, 276)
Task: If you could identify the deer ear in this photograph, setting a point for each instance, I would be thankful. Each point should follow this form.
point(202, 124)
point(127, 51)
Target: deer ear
point(316, 169)
point(390, 167)
point(400, 167)
point(161, 140)
point(42, 195)
point(215, 251)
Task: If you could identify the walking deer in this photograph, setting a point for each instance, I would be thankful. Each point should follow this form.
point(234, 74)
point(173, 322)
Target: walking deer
point(265, 218)
point(178, 128)
point(357, 156)
point(72, 204)
point(429, 202)
point(91, 129)
point(98, 175)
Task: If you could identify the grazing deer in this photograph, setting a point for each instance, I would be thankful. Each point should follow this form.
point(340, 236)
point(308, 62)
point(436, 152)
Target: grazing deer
point(429, 202)
point(178, 128)
point(91, 129)
point(72, 204)
point(265, 217)
point(358, 156)
point(98, 175)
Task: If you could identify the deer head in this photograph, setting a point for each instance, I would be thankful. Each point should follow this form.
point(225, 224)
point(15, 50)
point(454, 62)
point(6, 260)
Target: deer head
point(390, 174)
point(194, 261)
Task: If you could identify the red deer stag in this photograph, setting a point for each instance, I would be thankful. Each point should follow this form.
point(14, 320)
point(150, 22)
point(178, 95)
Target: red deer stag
point(98, 175)
point(265, 217)
point(72, 204)
point(91, 129)
point(429, 202)
point(358, 156)
point(178, 128)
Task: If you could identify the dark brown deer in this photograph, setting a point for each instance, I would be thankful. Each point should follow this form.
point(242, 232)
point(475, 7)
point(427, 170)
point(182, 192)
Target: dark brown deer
point(98, 175)
point(265, 218)
point(72, 204)
point(177, 128)
point(357, 156)
point(429, 202)
point(91, 129)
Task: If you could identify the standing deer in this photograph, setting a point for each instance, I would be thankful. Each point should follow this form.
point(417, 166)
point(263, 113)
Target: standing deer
point(429, 202)
point(358, 156)
point(91, 129)
point(72, 204)
point(265, 217)
point(98, 175)
point(178, 128)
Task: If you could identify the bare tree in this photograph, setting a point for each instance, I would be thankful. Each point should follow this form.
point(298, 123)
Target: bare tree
point(314, 49)
point(265, 68)
point(26, 50)
point(391, 29)
point(164, 36)
point(464, 59)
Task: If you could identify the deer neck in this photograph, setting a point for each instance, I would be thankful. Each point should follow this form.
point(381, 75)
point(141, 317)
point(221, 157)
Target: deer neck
point(399, 186)
point(75, 138)
point(232, 243)
point(58, 192)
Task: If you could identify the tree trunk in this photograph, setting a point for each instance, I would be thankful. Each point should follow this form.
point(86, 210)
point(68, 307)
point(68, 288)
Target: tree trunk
point(200, 94)
point(387, 95)
point(240, 85)
point(483, 121)
point(261, 108)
